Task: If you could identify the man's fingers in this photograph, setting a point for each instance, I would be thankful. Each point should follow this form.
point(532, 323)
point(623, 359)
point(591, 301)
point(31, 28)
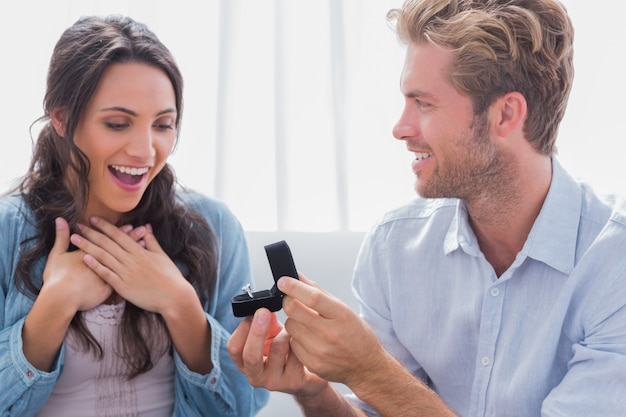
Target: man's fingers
point(277, 357)
point(307, 281)
point(237, 341)
point(252, 354)
point(274, 330)
point(311, 296)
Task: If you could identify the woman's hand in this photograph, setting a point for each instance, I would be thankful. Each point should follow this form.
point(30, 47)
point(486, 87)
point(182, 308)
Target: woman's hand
point(141, 273)
point(68, 286)
point(66, 275)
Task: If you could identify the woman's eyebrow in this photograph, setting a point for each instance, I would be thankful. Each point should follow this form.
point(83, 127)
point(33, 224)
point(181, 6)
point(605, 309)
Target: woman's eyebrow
point(133, 113)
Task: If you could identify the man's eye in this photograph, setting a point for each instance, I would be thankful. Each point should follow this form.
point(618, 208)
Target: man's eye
point(421, 103)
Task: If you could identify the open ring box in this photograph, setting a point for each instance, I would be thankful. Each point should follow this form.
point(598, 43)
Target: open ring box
point(281, 264)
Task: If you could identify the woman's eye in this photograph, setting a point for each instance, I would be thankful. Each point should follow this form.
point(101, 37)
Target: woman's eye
point(164, 124)
point(116, 126)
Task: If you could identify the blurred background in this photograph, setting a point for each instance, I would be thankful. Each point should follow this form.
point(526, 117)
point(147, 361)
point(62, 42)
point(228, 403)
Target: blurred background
point(289, 107)
point(289, 104)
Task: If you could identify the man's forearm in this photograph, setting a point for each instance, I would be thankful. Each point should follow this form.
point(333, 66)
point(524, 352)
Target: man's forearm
point(393, 391)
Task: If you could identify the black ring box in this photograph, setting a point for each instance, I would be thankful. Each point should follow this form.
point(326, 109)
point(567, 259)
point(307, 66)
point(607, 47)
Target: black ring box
point(281, 263)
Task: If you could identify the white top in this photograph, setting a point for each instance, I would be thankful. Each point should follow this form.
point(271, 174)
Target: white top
point(100, 388)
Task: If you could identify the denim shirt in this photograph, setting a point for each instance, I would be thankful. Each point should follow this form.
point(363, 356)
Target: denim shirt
point(223, 392)
point(546, 338)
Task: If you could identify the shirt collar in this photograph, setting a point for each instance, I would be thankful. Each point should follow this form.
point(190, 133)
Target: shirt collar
point(553, 237)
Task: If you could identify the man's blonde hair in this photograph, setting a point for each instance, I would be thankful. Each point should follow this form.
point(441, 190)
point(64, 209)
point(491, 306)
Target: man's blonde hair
point(501, 46)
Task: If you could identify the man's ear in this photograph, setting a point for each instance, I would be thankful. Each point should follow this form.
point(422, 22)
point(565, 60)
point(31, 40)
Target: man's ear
point(57, 117)
point(511, 111)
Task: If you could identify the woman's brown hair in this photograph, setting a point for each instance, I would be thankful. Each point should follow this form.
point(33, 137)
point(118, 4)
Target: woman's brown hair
point(79, 58)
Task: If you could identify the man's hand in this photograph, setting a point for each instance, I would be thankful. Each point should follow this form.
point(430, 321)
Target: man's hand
point(328, 337)
point(260, 348)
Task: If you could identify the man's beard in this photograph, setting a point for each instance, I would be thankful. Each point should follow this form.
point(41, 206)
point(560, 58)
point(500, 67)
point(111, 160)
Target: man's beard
point(471, 170)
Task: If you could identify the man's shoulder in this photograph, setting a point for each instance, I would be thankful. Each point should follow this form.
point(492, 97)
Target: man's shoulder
point(617, 204)
point(603, 209)
point(616, 225)
point(605, 220)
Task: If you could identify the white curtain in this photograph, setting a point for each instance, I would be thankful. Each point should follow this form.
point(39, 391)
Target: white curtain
point(289, 104)
point(298, 82)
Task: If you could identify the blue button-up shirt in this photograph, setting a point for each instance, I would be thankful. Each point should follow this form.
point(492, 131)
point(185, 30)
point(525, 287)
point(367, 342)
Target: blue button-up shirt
point(546, 338)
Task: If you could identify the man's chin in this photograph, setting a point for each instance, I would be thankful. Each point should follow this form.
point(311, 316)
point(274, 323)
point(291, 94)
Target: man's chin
point(425, 191)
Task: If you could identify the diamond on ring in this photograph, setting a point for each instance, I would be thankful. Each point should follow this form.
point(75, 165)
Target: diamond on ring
point(247, 289)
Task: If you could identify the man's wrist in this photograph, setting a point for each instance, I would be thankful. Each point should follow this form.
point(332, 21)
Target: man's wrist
point(327, 402)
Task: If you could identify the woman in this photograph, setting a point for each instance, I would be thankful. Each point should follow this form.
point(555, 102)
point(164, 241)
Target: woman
point(116, 282)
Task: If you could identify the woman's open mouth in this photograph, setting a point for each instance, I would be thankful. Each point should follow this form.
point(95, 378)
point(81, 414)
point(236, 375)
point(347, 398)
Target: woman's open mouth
point(128, 175)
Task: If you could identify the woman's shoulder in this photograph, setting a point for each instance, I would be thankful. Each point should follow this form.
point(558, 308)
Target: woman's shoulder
point(16, 220)
point(216, 212)
point(201, 202)
point(13, 208)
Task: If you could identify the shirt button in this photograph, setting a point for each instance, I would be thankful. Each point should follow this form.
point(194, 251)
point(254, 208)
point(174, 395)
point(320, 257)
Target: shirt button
point(213, 380)
point(484, 360)
point(495, 292)
point(29, 373)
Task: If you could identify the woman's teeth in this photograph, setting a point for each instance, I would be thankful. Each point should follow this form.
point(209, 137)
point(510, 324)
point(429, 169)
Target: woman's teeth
point(130, 170)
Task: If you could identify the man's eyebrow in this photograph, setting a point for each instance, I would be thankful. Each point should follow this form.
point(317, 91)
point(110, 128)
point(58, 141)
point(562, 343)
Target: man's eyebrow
point(417, 93)
point(133, 113)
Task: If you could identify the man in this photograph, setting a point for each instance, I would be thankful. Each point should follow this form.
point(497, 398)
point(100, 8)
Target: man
point(501, 291)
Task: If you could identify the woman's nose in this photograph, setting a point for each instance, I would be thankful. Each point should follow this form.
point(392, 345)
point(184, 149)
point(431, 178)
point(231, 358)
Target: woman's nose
point(141, 145)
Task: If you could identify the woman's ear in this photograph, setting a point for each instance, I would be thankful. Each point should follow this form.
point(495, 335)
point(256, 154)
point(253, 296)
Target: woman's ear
point(57, 117)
